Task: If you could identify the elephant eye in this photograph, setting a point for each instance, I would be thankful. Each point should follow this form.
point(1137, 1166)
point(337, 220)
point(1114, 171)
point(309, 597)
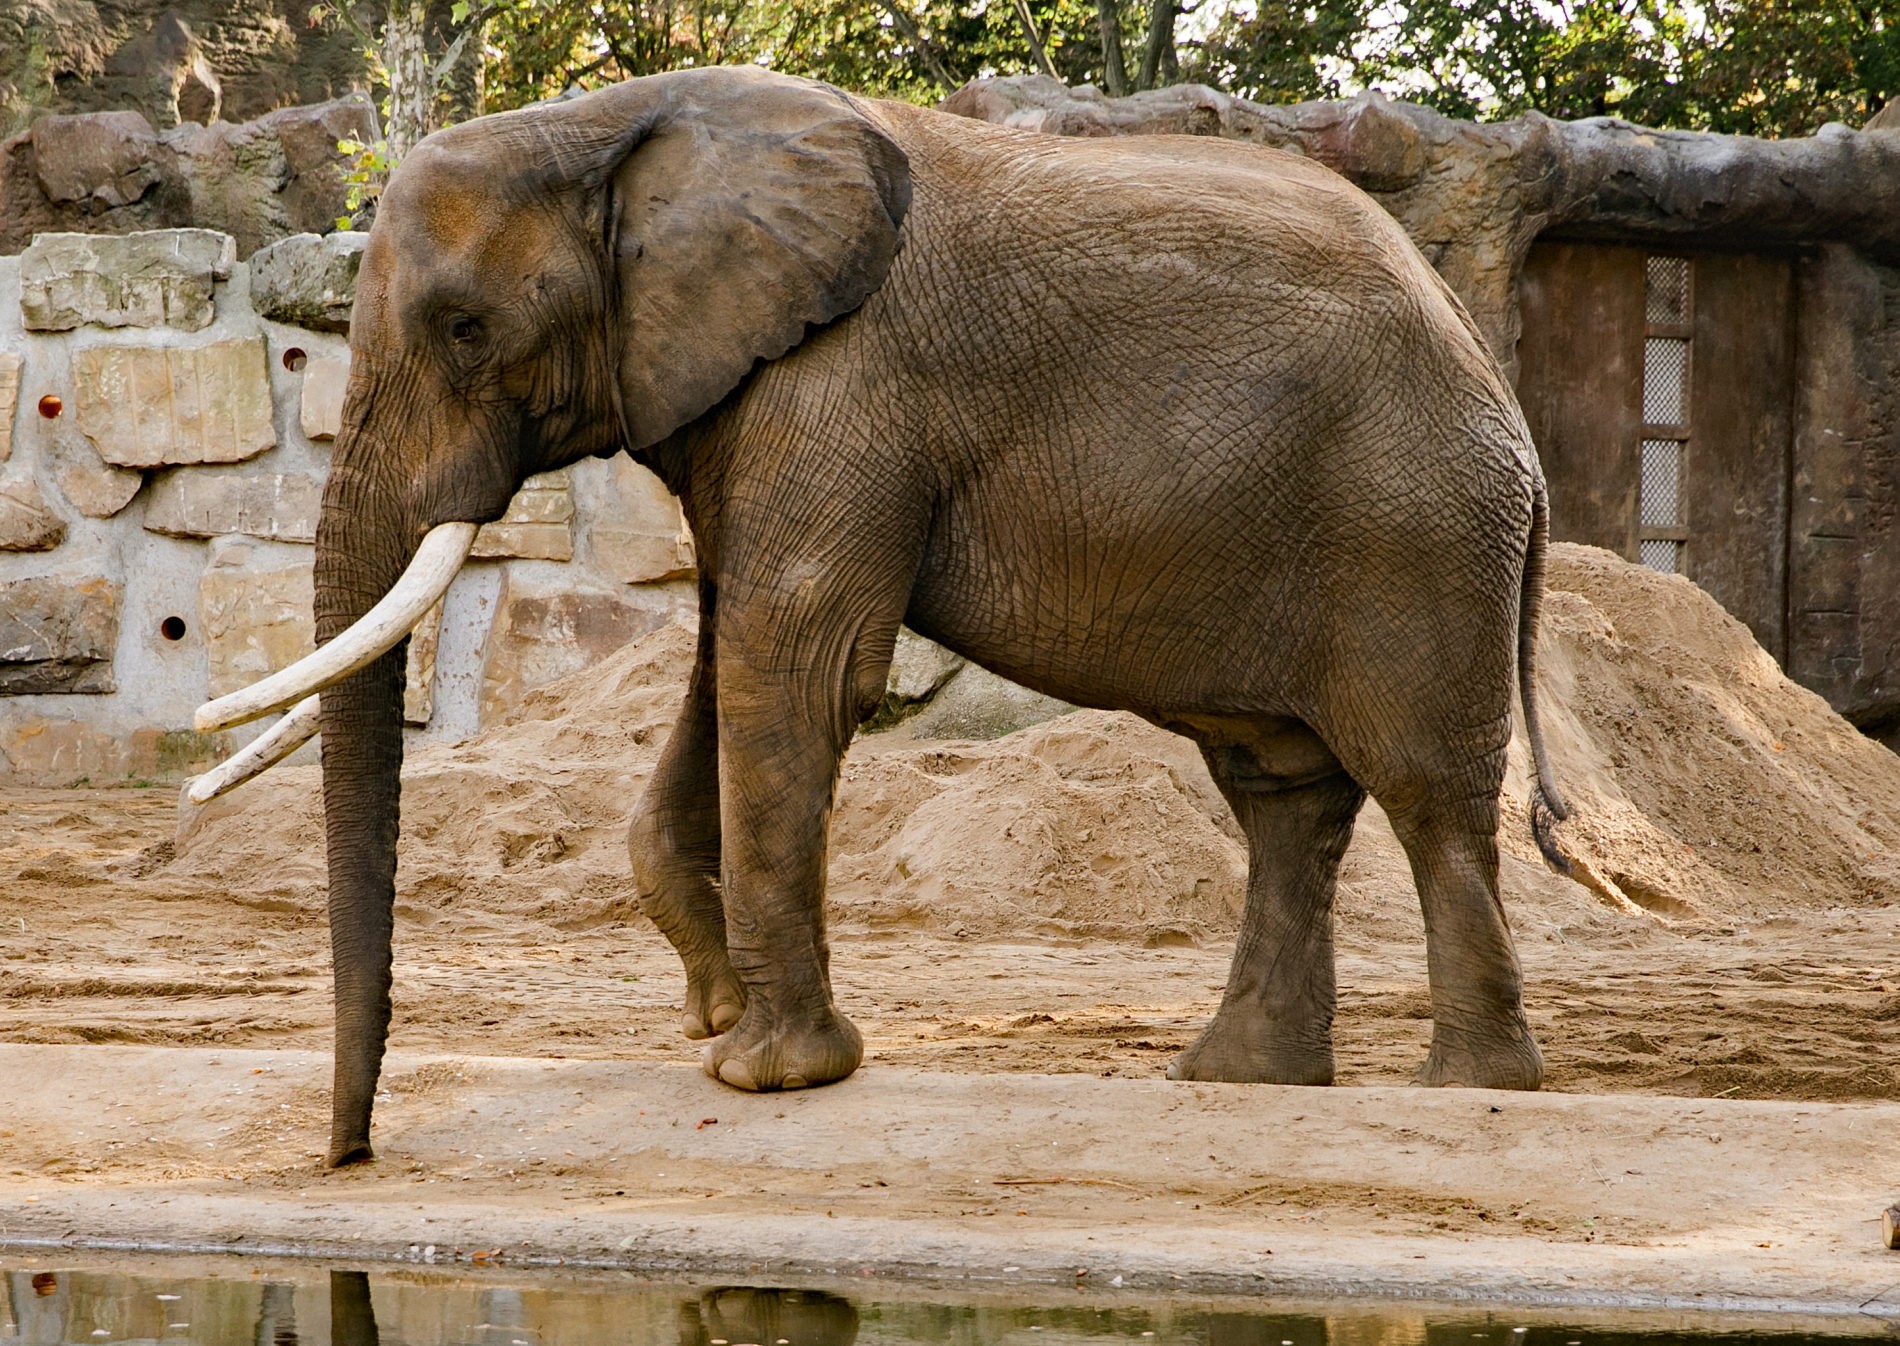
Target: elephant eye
point(463, 329)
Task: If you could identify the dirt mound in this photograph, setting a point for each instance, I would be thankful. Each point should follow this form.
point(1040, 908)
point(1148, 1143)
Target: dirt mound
point(1704, 785)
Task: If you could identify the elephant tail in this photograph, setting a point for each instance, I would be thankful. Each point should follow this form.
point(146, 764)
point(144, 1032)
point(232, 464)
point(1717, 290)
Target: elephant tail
point(1547, 803)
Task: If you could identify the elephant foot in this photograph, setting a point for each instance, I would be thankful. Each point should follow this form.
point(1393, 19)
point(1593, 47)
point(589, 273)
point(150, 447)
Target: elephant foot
point(1505, 1062)
point(714, 1003)
point(759, 1056)
point(1249, 1051)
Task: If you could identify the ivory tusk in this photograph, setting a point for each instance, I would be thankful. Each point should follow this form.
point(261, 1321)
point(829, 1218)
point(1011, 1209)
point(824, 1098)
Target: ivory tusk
point(373, 634)
point(261, 754)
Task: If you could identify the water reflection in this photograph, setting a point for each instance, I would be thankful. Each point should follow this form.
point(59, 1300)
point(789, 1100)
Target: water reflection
point(414, 1306)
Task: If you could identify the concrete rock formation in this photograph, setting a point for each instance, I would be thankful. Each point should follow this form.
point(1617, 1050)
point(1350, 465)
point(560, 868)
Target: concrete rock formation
point(113, 173)
point(174, 61)
point(143, 406)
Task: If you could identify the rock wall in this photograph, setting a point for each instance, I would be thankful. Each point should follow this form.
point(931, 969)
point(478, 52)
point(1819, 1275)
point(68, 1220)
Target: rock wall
point(164, 434)
point(113, 173)
point(171, 60)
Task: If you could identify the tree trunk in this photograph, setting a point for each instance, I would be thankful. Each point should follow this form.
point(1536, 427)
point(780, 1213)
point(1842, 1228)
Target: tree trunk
point(411, 76)
point(926, 49)
point(1028, 21)
point(1114, 66)
point(1157, 57)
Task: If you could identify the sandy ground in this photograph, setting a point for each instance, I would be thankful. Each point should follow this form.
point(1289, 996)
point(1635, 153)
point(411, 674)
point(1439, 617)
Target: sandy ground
point(166, 1084)
point(1026, 930)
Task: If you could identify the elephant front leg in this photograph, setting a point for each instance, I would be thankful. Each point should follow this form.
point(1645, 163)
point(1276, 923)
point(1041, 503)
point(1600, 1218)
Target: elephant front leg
point(791, 691)
point(674, 845)
point(1275, 1022)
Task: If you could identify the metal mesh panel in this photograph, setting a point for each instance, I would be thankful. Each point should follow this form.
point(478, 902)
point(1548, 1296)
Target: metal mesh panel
point(1668, 289)
point(1660, 500)
point(1660, 555)
point(1665, 374)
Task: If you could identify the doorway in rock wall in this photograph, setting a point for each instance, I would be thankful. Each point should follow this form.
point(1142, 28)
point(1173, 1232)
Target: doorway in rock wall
point(1659, 387)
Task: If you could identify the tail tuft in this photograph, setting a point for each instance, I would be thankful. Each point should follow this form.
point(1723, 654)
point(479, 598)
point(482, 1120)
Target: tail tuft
point(1545, 815)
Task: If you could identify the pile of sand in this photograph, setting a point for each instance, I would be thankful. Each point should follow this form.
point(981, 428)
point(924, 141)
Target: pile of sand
point(1704, 785)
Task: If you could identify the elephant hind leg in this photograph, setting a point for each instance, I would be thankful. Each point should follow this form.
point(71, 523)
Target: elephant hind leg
point(1480, 1036)
point(674, 845)
point(1296, 807)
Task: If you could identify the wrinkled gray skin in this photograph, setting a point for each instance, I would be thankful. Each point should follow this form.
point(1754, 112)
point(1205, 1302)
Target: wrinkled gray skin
point(1173, 426)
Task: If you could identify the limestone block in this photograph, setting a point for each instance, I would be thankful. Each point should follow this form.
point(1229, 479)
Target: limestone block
point(95, 488)
point(538, 525)
point(537, 638)
point(157, 278)
point(638, 533)
point(418, 691)
point(146, 405)
point(102, 159)
point(308, 279)
point(189, 502)
point(325, 378)
point(57, 634)
point(921, 667)
point(11, 363)
point(255, 617)
point(26, 524)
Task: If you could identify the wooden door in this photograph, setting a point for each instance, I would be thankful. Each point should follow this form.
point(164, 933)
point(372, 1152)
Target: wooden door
point(1659, 390)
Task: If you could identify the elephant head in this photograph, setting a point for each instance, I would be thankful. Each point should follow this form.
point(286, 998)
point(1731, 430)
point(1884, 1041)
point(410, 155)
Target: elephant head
point(575, 278)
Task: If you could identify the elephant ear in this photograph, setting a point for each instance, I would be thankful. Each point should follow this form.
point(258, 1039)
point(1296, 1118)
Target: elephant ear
point(754, 207)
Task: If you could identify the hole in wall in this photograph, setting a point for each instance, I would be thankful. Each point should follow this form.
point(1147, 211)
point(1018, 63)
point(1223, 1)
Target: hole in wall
point(295, 359)
point(51, 406)
point(172, 628)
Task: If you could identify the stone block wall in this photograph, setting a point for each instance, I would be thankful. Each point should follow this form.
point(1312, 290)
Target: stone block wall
point(164, 436)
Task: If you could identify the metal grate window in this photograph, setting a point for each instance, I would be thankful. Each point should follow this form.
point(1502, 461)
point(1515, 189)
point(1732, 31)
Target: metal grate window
point(1662, 533)
point(1661, 554)
point(1667, 295)
point(1665, 381)
point(1661, 489)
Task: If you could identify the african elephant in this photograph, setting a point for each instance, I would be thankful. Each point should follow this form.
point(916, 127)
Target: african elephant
point(1169, 425)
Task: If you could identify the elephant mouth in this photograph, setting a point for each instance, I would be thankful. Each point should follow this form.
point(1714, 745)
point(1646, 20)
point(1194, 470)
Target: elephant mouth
point(372, 635)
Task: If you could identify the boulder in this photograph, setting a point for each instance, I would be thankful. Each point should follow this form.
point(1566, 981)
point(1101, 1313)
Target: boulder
point(308, 279)
point(110, 173)
point(537, 637)
point(920, 667)
point(97, 159)
point(26, 524)
point(192, 502)
point(11, 363)
point(154, 278)
point(57, 634)
point(142, 406)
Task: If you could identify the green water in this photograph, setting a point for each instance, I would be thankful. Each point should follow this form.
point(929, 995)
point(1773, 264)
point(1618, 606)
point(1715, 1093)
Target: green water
point(232, 1303)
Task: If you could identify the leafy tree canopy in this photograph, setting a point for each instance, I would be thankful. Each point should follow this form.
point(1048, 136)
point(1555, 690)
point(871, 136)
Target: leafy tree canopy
point(1759, 67)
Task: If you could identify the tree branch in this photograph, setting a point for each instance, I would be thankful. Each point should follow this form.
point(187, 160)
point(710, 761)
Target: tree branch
point(1035, 39)
point(927, 49)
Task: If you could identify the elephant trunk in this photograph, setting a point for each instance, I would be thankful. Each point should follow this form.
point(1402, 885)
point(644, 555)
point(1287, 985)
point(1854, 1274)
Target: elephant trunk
point(363, 544)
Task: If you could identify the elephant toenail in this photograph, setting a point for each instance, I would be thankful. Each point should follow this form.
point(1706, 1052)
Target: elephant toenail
point(724, 1017)
point(793, 1082)
point(694, 1028)
point(735, 1073)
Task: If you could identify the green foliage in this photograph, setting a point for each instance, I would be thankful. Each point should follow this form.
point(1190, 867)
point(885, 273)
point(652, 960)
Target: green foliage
point(365, 170)
point(1762, 67)
point(1755, 67)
